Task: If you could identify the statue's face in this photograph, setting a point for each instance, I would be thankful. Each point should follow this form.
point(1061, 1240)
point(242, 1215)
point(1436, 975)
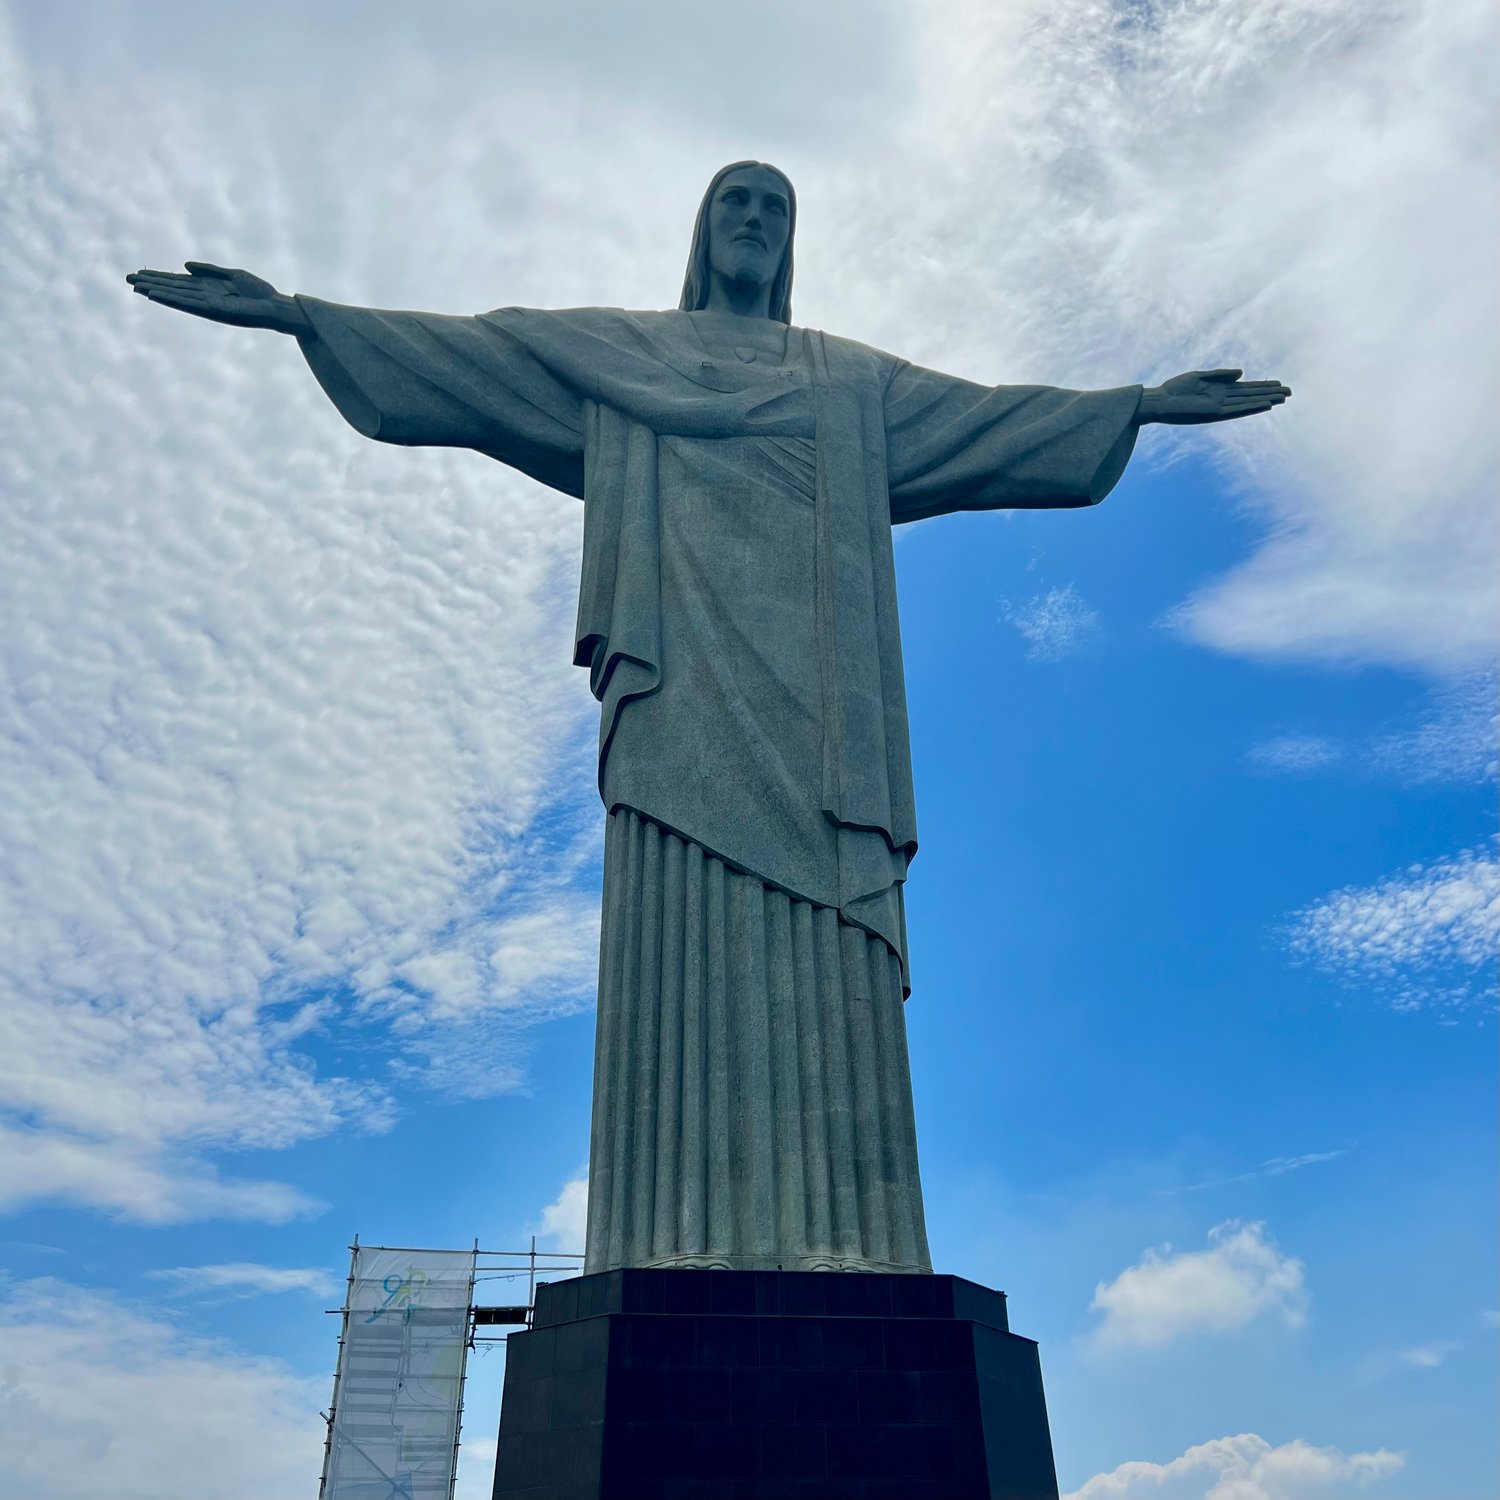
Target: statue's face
point(749, 222)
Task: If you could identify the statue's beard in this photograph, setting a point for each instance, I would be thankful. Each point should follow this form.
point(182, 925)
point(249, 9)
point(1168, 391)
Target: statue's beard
point(748, 271)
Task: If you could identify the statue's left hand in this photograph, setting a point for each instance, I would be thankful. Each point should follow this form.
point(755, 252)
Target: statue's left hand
point(1209, 396)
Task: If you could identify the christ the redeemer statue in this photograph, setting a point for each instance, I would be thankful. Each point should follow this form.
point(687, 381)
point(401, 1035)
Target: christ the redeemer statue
point(737, 617)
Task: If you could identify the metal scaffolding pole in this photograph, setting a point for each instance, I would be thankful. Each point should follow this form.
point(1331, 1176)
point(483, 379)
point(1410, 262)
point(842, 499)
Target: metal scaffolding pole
point(463, 1372)
point(338, 1367)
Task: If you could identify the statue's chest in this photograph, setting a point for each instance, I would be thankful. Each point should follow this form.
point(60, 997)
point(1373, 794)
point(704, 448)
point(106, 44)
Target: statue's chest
point(754, 342)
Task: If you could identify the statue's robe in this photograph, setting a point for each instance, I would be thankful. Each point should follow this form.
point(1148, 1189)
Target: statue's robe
point(737, 616)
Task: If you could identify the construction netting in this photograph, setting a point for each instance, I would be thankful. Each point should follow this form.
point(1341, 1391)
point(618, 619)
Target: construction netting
point(393, 1433)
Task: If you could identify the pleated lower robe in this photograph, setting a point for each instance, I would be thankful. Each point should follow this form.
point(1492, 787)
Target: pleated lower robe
point(752, 1094)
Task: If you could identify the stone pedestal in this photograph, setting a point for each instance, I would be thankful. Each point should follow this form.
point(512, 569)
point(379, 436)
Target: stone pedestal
point(772, 1385)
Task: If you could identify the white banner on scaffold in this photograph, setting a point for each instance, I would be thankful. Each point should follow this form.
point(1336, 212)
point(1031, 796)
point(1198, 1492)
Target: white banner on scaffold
point(399, 1387)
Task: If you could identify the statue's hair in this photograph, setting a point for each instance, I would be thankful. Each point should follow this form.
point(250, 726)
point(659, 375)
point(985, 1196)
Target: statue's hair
point(696, 283)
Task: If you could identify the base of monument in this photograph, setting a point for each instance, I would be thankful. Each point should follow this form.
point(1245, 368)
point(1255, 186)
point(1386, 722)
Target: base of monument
point(772, 1385)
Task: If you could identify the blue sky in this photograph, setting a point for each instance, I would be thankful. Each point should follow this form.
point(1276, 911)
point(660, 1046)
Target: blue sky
point(300, 849)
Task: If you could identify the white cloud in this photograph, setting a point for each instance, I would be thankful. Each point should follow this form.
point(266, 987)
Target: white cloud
point(565, 1219)
point(1415, 1357)
point(1443, 913)
point(1168, 1294)
point(1277, 1166)
point(98, 1398)
point(1245, 1467)
point(140, 1182)
point(249, 1279)
point(1425, 1356)
point(1456, 739)
point(547, 953)
point(476, 1468)
point(1054, 624)
point(1294, 754)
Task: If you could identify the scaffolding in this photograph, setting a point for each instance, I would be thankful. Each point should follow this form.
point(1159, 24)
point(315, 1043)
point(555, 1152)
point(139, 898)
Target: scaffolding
point(409, 1320)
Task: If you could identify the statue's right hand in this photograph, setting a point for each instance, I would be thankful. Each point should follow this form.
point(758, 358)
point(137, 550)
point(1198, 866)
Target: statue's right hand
point(223, 295)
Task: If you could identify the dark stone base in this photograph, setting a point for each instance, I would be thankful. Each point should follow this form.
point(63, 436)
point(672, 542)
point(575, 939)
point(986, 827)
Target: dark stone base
point(772, 1385)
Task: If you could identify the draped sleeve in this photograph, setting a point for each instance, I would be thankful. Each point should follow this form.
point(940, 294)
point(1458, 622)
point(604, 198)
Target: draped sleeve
point(953, 445)
point(424, 379)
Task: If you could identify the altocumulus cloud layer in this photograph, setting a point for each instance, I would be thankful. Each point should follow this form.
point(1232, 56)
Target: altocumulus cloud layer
point(280, 715)
point(288, 738)
point(1438, 921)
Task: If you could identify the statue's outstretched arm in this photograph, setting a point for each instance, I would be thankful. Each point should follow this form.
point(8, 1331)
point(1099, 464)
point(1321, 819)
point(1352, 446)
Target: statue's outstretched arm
point(1208, 396)
point(223, 295)
point(412, 378)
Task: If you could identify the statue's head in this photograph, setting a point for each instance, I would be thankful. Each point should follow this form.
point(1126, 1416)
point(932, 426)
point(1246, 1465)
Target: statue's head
point(744, 234)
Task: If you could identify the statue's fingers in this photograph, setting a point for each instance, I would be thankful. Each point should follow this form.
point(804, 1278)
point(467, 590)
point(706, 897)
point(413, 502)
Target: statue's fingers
point(167, 294)
point(188, 300)
point(164, 279)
